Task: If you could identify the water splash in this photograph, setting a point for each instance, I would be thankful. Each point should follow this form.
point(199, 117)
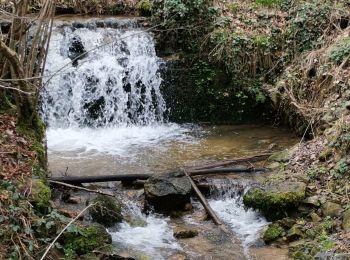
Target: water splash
point(226, 200)
point(117, 83)
point(154, 236)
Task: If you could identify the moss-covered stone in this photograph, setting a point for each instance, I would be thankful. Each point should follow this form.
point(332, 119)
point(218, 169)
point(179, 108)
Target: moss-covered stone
point(304, 249)
point(107, 211)
point(275, 199)
point(272, 232)
point(294, 233)
point(87, 239)
point(40, 193)
point(331, 209)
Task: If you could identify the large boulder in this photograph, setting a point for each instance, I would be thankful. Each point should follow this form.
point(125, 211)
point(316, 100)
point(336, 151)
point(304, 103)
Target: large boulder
point(169, 191)
point(275, 199)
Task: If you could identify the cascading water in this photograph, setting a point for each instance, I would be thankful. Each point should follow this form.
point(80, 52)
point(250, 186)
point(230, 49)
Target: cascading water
point(116, 82)
point(227, 201)
point(148, 234)
point(103, 87)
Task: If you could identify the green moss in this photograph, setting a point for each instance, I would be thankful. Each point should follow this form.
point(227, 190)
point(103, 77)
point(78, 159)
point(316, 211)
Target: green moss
point(107, 211)
point(268, 3)
point(41, 193)
point(36, 134)
point(86, 240)
point(274, 204)
point(144, 7)
point(273, 232)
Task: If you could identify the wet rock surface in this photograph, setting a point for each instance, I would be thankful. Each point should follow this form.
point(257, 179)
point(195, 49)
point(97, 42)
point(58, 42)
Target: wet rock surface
point(106, 211)
point(168, 192)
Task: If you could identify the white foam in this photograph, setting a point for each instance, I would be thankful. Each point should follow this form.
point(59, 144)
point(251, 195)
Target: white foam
point(121, 140)
point(152, 239)
point(245, 223)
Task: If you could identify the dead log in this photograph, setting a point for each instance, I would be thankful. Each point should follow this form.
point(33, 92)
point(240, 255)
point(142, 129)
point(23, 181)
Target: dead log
point(102, 178)
point(255, 158)
point(203, 201)
point(225, 170)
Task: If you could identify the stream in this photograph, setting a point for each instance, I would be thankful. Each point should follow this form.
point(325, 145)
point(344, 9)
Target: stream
point(106, 115)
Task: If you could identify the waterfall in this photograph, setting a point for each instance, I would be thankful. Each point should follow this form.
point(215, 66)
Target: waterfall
point(115, 83)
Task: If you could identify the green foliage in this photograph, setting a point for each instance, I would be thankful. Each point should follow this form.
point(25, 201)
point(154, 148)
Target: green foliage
point(273, 232)
point(340, 51)
point(83, 240)
point(144, 7)
point(340, 169)
point(185, 21)
point(268, 3)
point(314, 172)
point(309, 21)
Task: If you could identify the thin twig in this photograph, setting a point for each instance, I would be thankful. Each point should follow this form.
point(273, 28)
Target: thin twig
point(64, 229)
point(81, 188)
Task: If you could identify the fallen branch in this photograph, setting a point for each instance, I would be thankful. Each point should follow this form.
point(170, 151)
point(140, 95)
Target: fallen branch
point(225, 170)
point(101, 178)
point(70, 223)
point(255, 158)
point(203, 201)
point(81, 188)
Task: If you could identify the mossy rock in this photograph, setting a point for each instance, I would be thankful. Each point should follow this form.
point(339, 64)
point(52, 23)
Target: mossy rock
point(331, 209)
point(40, 193)
point(303, 249)
point(276, 199)
point(273, 232)
point(107, 211)
point(144, 7)
point(87, 239)
point(294, 233)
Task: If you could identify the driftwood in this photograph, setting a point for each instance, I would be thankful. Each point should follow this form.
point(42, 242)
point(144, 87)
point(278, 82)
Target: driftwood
point(255, 158)
point(203, 201)
point(80, 188)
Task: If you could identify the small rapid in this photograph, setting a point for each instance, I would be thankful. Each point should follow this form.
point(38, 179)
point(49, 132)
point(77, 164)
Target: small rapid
point(226, 199)
point(145, 235)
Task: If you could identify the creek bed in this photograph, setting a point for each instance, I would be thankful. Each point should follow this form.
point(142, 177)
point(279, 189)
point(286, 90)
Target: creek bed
point(164, 148)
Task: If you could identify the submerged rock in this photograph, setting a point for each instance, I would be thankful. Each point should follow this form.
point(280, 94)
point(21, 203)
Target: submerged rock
point(107, 211)
point(185, 233)
point(275, 199)
point(169, 191)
